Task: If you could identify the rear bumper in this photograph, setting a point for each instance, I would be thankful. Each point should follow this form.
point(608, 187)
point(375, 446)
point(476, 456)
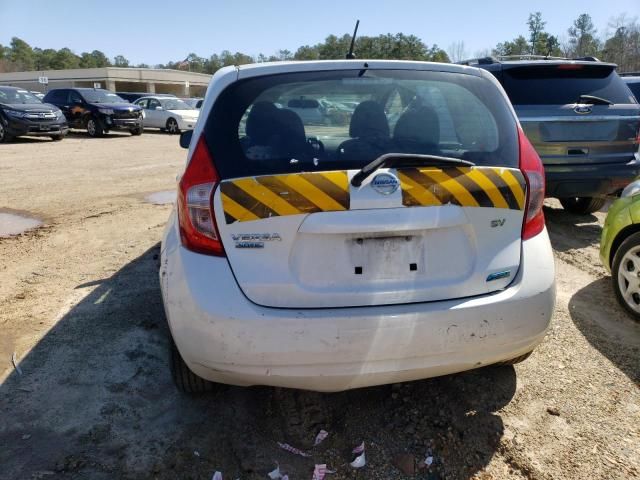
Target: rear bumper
point(589, 180)
point(226, 338)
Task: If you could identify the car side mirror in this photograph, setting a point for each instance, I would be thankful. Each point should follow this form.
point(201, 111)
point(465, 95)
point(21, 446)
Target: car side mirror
point(185, 138)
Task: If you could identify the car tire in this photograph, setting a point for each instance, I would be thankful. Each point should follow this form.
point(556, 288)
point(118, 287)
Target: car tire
point(4, 136)
point(626, 268)
point(94, 127)
point(516, 360)
point(136, 131)
point(172, 126)
point(582, 205)
point(185, 380)
point(57, 138)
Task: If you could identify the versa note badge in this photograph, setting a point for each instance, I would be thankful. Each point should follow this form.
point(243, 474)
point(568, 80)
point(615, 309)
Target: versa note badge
point(254, 240)
point(385, 183)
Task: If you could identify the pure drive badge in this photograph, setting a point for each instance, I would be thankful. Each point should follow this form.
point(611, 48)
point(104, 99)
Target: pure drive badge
point(254, 240)
point(385, 183)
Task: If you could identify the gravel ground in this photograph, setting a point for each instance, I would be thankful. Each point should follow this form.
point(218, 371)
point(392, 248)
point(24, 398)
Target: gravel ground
point(80, 306)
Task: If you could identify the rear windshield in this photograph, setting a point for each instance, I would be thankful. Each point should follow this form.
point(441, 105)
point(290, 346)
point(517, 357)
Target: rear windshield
point(343, 120)
point(563, 84)
point(635, 89)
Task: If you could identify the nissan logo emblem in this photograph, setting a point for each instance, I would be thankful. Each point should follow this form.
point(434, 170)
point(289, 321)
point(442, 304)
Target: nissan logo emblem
point(385, 183)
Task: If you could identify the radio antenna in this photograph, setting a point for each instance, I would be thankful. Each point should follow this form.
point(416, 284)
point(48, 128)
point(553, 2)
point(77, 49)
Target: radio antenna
point(350, 54)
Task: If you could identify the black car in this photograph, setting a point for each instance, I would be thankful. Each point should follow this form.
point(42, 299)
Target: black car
point(133, 96)
point(22, 113)
point(581, 118)
point(96, 110)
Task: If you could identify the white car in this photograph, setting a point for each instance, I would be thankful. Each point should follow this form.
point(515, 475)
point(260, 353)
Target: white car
point(168, 114)
point(327, 259)
point(194, 102)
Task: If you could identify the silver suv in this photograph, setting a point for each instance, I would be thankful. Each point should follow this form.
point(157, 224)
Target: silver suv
point(581, 118)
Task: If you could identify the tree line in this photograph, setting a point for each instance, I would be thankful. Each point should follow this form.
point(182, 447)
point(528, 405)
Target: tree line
point(620, 44)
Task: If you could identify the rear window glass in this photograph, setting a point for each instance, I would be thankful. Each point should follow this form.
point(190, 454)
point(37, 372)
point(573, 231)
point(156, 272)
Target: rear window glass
point(635, 89)
point(323, 121)
point(562, 84)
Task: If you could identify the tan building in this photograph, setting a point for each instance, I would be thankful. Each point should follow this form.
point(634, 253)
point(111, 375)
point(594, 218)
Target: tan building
point(117, 79)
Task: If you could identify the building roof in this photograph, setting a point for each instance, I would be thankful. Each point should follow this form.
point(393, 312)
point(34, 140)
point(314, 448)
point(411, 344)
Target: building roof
point(121, 74)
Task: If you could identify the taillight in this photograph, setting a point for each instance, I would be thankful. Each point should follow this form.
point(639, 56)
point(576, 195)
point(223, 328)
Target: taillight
point(570, 66)
point(531, 167)
point(198, 229)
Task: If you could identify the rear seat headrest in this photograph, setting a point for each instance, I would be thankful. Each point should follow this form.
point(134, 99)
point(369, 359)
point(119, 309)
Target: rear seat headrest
point(369, 120)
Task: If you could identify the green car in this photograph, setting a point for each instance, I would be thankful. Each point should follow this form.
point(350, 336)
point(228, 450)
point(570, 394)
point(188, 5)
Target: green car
point(620, 247)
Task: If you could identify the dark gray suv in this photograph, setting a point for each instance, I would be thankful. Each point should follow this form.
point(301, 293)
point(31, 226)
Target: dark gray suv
point(582, 119)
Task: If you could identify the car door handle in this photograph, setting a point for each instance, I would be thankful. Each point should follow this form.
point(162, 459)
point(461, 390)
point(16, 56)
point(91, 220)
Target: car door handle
point(578, 151)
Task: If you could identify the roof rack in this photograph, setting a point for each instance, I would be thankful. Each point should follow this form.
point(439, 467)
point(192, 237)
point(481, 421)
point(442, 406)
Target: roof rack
point(630, 74)
point(479, 61)
point(500, 58)
point(530, 57)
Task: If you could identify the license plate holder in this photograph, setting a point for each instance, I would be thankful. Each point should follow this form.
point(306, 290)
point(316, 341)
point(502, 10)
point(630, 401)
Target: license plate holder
point(386, 258)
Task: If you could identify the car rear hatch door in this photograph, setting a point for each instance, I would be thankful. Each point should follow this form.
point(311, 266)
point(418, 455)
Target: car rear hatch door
point(298, 233)
point(313, 240)
point(565, 111)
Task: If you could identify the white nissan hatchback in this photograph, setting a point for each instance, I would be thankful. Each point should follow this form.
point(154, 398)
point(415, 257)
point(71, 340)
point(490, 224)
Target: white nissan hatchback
point(401, 237)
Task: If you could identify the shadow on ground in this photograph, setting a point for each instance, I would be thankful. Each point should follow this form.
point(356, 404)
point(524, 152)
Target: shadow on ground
point(569, 231)
point(607, 326)
point(95, 401)
point(38, 139)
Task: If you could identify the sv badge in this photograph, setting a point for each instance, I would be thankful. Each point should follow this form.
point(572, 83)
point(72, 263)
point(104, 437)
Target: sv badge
point(498, 222)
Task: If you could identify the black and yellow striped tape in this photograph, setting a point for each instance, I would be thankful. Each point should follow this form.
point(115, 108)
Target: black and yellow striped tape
point(267, 196)
point(254, 198)
point(465, 186)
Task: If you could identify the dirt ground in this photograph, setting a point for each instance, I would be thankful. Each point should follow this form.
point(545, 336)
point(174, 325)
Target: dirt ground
point(80, 306)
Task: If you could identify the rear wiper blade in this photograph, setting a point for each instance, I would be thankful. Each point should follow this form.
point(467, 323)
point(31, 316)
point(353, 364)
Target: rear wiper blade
point(594, 100)
point(405, 159)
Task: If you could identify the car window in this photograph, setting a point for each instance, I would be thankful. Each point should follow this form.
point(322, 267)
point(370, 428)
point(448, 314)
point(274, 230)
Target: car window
point(635, 89)
point(101, 96)
point(563, 84)
point(144, 103)
point(74, 97)
point(174, 104)
point(344, 120)
point(153, 103)
point(56, 96)
point(11, 96)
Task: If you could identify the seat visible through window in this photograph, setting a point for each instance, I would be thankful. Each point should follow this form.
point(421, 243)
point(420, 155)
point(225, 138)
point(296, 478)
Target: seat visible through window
point(369, 132)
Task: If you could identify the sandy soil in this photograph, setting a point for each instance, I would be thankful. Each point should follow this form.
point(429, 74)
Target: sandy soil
point(80, 307)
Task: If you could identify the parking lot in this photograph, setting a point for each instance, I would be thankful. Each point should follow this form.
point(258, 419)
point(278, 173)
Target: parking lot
point(92, 395)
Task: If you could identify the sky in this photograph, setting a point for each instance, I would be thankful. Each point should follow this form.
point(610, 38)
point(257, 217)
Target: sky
point(158, 31)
